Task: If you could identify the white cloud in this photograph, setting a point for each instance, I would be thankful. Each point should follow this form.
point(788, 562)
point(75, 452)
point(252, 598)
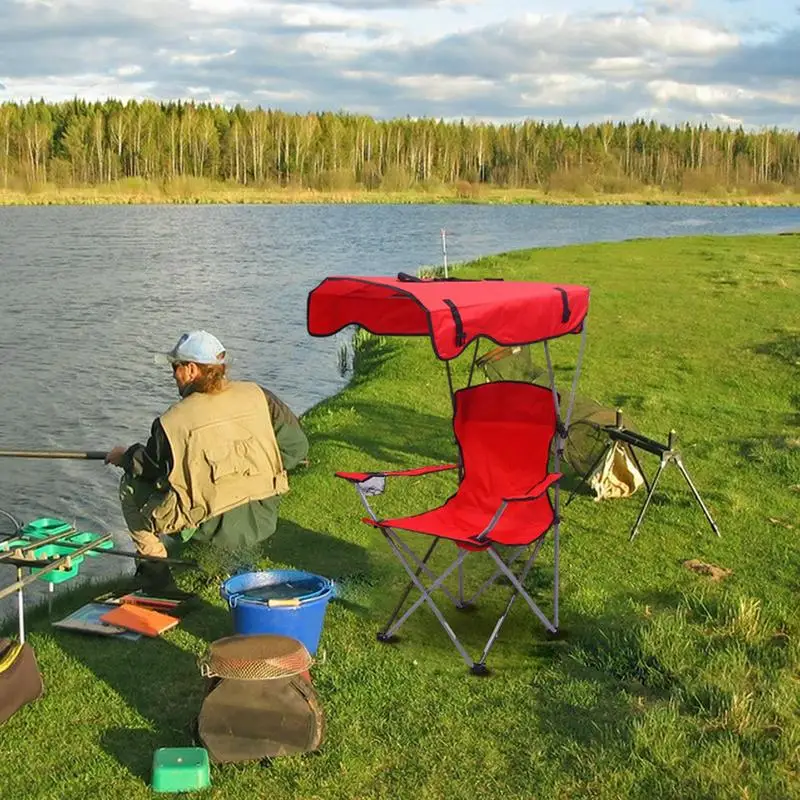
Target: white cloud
point(320, 17)
point(274, 96)
point(195, 58)
point(619, 64)
point(492, 59)
point(714, 96)
point(443, 87)
point(128, 70)
point(88, 87)
point(559, 90)
point(612, 35)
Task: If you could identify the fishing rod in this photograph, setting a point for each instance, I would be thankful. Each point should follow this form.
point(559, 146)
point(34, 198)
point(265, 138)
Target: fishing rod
point(59, 562)
point(181, 562)
point(89, 455)
point(10, 556)
point(17, 561)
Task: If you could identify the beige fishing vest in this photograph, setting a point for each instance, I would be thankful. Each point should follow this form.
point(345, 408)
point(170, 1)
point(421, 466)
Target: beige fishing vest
point(224, 452)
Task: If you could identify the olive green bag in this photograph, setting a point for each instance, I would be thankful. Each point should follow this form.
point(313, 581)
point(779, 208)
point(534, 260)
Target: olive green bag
point(259, 702)
point(20, 679)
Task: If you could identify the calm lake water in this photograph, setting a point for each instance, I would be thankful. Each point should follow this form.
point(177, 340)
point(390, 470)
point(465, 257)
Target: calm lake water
point(89, 294)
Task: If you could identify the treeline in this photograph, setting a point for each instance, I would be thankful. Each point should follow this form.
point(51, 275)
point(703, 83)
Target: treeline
point(81, 143)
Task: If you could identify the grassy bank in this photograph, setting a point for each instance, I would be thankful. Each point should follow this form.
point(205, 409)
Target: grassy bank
point(667, 684)
point(199, 191)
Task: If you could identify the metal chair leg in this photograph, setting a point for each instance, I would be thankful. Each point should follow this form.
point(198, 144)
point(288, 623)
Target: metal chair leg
point(407, 591)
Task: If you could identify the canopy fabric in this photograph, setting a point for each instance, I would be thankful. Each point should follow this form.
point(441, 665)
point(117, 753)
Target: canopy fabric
point(452, 313)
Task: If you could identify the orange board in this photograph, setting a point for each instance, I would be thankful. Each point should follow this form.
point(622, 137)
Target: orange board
point(140, 619)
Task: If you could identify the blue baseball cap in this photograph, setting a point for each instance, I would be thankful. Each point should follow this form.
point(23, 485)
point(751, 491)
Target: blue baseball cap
point(200, 347)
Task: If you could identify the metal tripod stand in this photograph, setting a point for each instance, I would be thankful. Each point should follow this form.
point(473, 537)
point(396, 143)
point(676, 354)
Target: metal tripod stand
point(668, 453)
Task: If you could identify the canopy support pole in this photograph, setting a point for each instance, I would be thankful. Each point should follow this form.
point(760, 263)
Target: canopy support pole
point(551, 375)
point(474, 362)
point(561, 439)
point(450, 385)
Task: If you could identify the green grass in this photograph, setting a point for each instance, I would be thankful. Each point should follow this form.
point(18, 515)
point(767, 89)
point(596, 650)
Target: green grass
point(666, 684)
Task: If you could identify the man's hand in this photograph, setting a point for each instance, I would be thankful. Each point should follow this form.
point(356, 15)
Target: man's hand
point(114, 456)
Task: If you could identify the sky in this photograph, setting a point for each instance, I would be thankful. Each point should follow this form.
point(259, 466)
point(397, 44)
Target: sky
point(724, 62)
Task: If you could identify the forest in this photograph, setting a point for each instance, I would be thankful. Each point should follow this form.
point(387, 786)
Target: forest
point(78, 143)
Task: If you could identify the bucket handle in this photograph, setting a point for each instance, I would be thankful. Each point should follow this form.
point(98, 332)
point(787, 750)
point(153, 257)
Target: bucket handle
point(232, 599)
point(288, 602)
point(292, 602)
point(206, 671)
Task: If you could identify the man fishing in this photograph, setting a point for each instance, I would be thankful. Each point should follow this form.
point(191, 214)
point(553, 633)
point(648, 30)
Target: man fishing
point(215, 465)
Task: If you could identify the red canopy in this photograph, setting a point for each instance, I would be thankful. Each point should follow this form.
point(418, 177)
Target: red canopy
point(452, 312)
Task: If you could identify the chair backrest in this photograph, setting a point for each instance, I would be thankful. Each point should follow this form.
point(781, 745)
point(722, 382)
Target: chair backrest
point(504, 431)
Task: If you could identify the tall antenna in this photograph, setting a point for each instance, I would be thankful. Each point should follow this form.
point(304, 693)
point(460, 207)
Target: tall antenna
point(444, 250)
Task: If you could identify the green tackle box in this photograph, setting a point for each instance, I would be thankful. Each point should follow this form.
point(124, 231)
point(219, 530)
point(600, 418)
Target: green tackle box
point(180, 769)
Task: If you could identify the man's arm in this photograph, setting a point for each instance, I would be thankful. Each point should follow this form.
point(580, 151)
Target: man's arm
point(292, 442)
point(151, 462)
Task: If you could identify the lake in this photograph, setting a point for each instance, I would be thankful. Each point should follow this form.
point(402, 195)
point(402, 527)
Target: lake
point(91, 293)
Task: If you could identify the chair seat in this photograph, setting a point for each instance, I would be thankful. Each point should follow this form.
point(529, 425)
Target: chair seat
point(461, 519)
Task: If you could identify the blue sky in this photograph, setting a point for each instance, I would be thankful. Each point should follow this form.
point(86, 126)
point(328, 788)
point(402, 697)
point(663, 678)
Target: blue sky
point(728, 62)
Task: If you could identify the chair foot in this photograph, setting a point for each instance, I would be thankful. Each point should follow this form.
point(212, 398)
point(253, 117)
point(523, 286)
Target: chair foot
point(466, 606)
point(384, 639)
point(480, 670)
point(557, 636)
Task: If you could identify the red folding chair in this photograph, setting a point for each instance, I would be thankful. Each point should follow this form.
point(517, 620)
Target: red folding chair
point(504, 432)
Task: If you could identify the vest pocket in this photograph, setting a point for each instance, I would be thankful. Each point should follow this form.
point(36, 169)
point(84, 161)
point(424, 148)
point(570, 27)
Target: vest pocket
point(236, 460)
point(164, 512)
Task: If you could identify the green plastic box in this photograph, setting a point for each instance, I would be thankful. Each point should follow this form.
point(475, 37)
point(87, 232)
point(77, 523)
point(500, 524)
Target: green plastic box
point(84, 537)
point(180, 769)
point(44, 527)
point(56, 575)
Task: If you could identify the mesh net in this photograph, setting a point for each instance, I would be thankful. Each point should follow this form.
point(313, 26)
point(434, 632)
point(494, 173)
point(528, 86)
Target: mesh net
point(586, 437)
point(259, 657)
point(510, 364)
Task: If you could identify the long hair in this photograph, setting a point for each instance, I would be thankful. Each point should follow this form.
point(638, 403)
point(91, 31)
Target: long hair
point(211, 379)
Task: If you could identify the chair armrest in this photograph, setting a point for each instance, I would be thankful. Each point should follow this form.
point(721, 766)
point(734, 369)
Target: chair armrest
point(536, 491)
point(357, 477)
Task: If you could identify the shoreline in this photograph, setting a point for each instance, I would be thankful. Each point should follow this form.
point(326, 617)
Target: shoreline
point(189, 193)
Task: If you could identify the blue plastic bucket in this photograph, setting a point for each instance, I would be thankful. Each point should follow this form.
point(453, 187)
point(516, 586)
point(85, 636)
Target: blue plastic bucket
point(285, 602)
